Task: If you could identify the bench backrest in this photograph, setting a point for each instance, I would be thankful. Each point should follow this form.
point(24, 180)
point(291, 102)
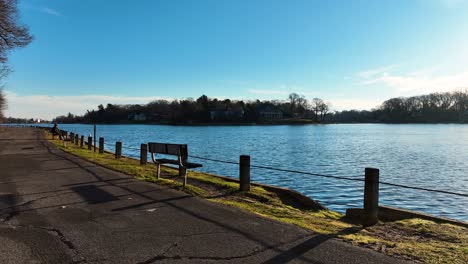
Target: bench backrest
point(168, 149)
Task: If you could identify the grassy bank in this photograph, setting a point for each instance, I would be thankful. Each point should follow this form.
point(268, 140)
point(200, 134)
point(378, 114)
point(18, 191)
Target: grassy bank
point(415, 239)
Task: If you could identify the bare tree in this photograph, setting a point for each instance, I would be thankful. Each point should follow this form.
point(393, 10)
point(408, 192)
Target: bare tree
point(12, 35)
point(298, 103)
point(2, 105)
point(324, 108)
point(293, 100)
point(315, 107)
point(320, 109)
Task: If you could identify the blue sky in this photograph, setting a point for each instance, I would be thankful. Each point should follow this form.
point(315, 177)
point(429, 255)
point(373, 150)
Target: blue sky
point(353, 54)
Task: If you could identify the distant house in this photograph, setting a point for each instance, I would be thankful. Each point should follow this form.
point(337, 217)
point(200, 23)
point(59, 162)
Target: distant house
point(217, 115)
point(234, 112)
point(137, 117)
point(161, 116)
point(269, 112)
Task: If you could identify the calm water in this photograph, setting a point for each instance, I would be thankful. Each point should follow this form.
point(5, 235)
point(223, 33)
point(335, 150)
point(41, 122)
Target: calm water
point(431, 156)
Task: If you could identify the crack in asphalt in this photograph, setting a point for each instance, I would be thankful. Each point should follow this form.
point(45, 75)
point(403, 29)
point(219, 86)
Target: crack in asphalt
point(29, 202)
point(174, 244)
point(14, 212)
point(77, 258)
point(253, 253)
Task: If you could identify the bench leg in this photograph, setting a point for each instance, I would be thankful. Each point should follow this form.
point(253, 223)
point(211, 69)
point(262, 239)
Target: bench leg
point(183, 173)
point(158, 170)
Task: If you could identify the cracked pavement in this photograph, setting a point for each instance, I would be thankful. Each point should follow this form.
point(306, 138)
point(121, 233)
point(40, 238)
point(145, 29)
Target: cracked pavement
point(57, 208)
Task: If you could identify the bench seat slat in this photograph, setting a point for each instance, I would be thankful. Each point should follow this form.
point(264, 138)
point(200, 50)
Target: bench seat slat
point(193, 165)
point(169, 161)
point(175, 162)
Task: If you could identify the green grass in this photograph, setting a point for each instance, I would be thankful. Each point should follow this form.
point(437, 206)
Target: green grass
point(414, 239)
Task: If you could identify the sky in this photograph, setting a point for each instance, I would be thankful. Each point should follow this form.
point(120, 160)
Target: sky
point(353, 54)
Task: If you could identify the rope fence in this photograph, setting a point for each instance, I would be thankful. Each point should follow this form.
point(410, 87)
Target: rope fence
point(130, 148)
point(370, 179)
point(215, 160)
point(347, 178)
point(423, 189)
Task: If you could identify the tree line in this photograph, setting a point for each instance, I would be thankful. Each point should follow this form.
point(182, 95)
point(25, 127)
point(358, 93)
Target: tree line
point(207, 110)
point(448, 107)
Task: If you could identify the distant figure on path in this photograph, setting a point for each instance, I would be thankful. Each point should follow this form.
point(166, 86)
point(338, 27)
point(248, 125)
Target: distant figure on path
point(55, 131)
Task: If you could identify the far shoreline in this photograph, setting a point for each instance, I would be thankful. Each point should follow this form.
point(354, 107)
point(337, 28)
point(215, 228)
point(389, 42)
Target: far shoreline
point(217, 124)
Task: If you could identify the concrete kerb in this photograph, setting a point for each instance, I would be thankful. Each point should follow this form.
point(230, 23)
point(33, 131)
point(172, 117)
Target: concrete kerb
point(390, 214)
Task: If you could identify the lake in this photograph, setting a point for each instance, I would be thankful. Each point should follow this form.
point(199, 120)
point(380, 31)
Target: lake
point(429, 156)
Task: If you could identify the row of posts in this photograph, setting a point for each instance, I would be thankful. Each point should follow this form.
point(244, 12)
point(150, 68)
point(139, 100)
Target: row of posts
point(371, 182)
point(77, 140)
point(244, 160)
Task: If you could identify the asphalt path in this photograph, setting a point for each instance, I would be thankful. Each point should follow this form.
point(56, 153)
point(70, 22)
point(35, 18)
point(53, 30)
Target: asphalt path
point(57, 208)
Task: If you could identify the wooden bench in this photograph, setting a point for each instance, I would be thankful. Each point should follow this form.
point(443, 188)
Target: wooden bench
point(179, 150)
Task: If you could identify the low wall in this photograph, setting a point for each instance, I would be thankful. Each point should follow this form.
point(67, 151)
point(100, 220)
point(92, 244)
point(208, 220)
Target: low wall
point(298, 197)
point(387, 213)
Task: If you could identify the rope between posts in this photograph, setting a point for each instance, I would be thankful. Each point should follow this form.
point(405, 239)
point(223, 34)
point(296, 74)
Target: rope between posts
point(318, 174)
point(130, 148)
point(423, 189)
point(216, 160)
point(338, 177)
point(282, 170)
point(308, 173)
point(124, 147)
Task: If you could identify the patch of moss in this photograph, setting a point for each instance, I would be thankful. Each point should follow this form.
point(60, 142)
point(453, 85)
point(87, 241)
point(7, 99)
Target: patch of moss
point(414, 239)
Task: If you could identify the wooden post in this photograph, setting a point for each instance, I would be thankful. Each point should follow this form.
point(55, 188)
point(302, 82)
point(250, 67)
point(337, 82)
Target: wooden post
point(81, 141)
point(101, 145)
point(244, 173)
point(183, 152)
point(90, 143)
point(72, 135)
point(143, 154)
point(94, 137)
point(118, 149)
point(77, 139)
point(371, 197)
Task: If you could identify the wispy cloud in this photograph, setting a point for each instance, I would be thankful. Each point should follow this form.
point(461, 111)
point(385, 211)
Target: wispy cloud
point(420, 81)
point(50, 11)
point(452, 3)
point(268, 92)
point(372, 72)
point(283, 91)
point(354, 104)
point(48, 107)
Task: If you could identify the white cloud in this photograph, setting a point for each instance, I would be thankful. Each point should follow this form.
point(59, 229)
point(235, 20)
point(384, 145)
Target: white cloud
point(416, 82)
point(452, 3)
point(50, 11)
point(354, 104)
point(372, 72)
point(48, 107)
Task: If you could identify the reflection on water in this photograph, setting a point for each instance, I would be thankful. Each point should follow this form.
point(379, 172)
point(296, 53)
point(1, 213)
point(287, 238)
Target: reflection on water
point(431, 156)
